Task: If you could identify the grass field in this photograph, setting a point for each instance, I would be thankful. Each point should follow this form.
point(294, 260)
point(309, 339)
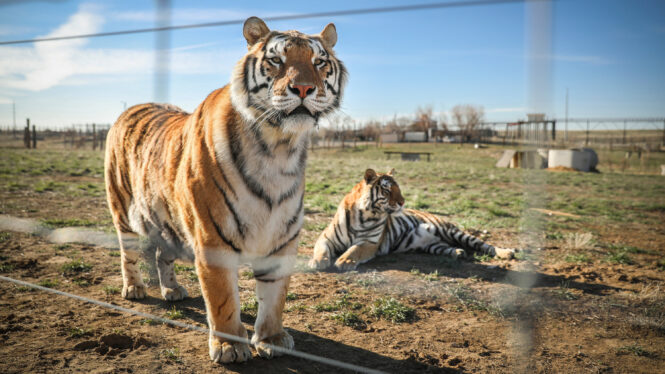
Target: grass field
point(585, 295)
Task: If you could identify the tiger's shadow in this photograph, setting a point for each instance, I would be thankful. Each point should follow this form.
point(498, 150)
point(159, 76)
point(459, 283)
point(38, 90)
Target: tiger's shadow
point(462, 269)
point(193, 309)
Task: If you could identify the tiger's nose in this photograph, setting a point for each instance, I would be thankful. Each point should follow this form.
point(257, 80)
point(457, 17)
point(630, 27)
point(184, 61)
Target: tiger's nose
point(302, 90)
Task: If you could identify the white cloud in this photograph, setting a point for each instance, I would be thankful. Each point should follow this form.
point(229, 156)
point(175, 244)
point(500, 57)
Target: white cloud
point(49, 63)
point(45, 65)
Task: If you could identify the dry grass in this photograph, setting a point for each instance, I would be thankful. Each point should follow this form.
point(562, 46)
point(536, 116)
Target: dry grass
point(580, 241)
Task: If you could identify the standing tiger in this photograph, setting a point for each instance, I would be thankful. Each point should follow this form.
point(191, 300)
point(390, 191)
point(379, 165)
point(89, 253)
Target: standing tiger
point(370, 221)
point(224, 185)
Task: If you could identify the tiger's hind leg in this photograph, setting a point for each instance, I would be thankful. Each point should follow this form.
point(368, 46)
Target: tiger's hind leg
point(322, 256)
point(132, 282)
point(168, 284)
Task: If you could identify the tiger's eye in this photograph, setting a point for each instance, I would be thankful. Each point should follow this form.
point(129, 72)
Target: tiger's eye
point(318, 61)
point(276, 60)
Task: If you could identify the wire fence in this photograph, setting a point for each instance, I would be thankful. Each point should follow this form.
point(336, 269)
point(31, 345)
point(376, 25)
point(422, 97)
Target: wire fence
point(590, 132)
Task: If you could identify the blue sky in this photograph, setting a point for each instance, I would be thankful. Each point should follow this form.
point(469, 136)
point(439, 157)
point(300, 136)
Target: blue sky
point(609, 54)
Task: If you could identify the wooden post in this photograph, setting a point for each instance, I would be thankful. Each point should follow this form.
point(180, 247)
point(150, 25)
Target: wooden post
point(34, 137)
point(94, 137)
point(26, 134)
point(553, 130)
point(586, 142)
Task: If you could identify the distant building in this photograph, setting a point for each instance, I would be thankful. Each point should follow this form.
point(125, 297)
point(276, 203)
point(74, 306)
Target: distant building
point(535, 117)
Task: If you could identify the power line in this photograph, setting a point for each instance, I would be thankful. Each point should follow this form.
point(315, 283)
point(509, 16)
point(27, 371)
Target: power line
point(392, 9)
point(291, 352)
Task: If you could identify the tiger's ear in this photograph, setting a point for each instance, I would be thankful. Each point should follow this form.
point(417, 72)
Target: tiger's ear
point(391, 172)
point(329, 35)
point(254, 29)
point(370, 175)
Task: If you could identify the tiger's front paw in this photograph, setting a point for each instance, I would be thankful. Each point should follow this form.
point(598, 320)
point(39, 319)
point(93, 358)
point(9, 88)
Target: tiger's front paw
point(319, 263)
point(136, 291)
point(345, 263)
point(504, 253)
point(265, 347)
point(225, 352)
point(174, 294)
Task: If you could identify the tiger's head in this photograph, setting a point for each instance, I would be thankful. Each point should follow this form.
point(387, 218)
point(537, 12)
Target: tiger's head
point(287, 80)
point(381, 192)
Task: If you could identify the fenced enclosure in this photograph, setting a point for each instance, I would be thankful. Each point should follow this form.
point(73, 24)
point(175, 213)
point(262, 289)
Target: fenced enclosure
point(585, 292)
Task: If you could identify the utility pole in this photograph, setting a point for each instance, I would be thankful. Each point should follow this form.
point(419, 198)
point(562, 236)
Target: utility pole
point(566, 132)
point(14, 117)
point(162, 52)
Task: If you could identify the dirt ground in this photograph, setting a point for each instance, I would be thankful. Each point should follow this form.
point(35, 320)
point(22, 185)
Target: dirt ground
point(537, 314)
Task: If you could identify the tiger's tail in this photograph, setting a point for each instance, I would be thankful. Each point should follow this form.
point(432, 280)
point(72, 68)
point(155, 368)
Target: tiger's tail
point(471, 244)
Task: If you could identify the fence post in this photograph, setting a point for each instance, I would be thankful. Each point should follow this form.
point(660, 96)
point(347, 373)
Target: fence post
point(34, 137)
point(553, 131)
point(26, 134)
point(94, 137)
point(586, 142)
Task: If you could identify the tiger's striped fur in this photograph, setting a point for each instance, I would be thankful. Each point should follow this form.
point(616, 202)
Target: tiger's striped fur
point(371, 221)
point(224, 185)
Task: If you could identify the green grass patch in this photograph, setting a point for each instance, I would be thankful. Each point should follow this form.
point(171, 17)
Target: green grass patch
point(563, 292)
point(49, 186)
point(6, 267)
point(77, 332)
point(247, 274)
point(111, 290)
point(4, 236)
point(75, 267)
point(250, 307)
point(114, 253)
point(81, 282)
point(464, 296)
point(296, 307)
point(619, 257)
point(174, 313)
point(172, 355)
point(70, 222)
point(578, 258)
point(392, 310)
point(50, 283)
point(349, 318)
point(149, 321)
point(290, 296)
point(483, 257)
point(433, 276)
point(633, 349)
point(343, 302)
point(180, 268)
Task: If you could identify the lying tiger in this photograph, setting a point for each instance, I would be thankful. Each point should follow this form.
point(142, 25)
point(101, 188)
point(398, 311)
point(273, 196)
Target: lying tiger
point(224, 185)
point(371, 221)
